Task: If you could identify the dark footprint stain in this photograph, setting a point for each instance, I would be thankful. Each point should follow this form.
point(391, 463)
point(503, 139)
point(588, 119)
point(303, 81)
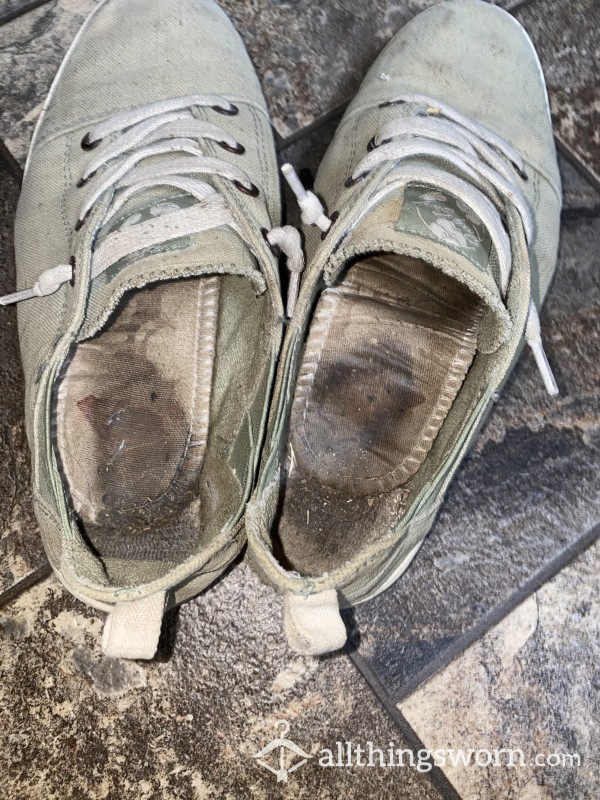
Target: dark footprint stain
point(386, 354)
point(126, 452)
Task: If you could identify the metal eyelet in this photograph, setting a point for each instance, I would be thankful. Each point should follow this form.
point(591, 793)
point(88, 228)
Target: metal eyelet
point(265, 235)
point(333, 217)
point(229, 112)
point(251, 190)
point(238, 149)
point(371, 145)
point(79, 223)
point(82, 181)
point(353, 181)
point(86, 144)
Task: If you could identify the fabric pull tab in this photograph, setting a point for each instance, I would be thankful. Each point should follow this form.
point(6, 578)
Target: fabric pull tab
point(312, 623)
point(132, 629)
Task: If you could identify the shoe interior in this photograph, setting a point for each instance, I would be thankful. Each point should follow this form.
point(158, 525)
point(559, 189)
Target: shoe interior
point(146, 416)
point(386, 354)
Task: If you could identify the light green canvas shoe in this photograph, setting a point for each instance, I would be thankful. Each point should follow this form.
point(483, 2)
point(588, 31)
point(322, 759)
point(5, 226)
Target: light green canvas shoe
point(150, 310)
point(444, 195)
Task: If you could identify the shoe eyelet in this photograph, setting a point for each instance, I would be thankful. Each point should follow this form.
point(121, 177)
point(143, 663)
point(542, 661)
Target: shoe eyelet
point(265, 235)
point(388, 103)
point(238, 149)
point(82, 181)
point(333, 217)
point(79, 223)
point(86, 144)
point(229, 112)
point(353, 181)
point(251, 190)
point(371, 145)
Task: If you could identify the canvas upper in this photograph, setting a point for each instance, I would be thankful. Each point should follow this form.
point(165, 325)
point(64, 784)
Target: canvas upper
point(132, 55)
point(463, 56)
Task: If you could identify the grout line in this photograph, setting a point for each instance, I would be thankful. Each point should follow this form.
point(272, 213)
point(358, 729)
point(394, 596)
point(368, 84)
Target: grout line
point(10, 162)
point(22, 585)
point(577, 163)
point(436, 775)
point(497, 614)
point(14, 13)
point(517, 6)
point(277, 138)
point(312, 126)
point(580, 212)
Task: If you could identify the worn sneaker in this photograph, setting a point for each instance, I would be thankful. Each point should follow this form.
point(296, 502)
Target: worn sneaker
point(151, 327)
point(444, 194)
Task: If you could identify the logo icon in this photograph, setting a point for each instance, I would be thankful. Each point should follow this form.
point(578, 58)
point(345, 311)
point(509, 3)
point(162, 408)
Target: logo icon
point(286, 748)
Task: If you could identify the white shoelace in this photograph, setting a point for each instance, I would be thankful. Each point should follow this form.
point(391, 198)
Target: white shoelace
point(484, 177)
point(169, 129)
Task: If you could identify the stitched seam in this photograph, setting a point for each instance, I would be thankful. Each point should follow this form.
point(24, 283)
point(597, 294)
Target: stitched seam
point(303, 391)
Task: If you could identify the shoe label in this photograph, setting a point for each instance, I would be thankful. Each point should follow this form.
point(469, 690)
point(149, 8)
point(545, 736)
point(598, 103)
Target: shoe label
point(436, 215)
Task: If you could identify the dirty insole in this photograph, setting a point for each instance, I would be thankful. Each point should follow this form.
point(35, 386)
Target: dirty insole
point(386, 354)
point(132, 413)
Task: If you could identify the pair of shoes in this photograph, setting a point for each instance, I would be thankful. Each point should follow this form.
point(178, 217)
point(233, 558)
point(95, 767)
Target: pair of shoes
point(170, 419)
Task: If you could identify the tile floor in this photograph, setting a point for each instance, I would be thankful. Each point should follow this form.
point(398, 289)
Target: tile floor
point(491, 639)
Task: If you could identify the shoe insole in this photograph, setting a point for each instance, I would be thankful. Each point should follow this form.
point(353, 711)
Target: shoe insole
point(132, 415)
point(386, 354)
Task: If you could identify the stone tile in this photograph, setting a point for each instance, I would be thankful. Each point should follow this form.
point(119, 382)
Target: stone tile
point(309, 56)
point(312, 56)
point(566, 38)
point(305, 154)
point(11, 9)
point(77, 725)
point(531, 683)
point(527, 493)
point(31, 49)
point(20, 546)
point(578, 193)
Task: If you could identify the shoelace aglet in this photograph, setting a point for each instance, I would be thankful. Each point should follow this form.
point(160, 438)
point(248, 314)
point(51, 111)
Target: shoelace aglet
point(312, 211)
point(49, 282)
point(533, 336)
point(544, 367)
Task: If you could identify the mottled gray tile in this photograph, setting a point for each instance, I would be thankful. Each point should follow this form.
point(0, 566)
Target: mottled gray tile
point(566, 38)
point(527, 493)
point(11, 9)
point(309, 56)
point(20, 546)
point(77, 725)
point(305, 154)
point(530, 684)
point(31, 49)
point(578, 193)
point(313, 56)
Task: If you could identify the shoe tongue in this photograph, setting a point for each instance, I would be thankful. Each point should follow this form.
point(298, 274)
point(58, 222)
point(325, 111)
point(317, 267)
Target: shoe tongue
point(439, 229)
point(159, 238)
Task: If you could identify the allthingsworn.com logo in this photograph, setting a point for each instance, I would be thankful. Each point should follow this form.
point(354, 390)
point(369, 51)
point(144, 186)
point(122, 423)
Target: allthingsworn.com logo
point(282, 756)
